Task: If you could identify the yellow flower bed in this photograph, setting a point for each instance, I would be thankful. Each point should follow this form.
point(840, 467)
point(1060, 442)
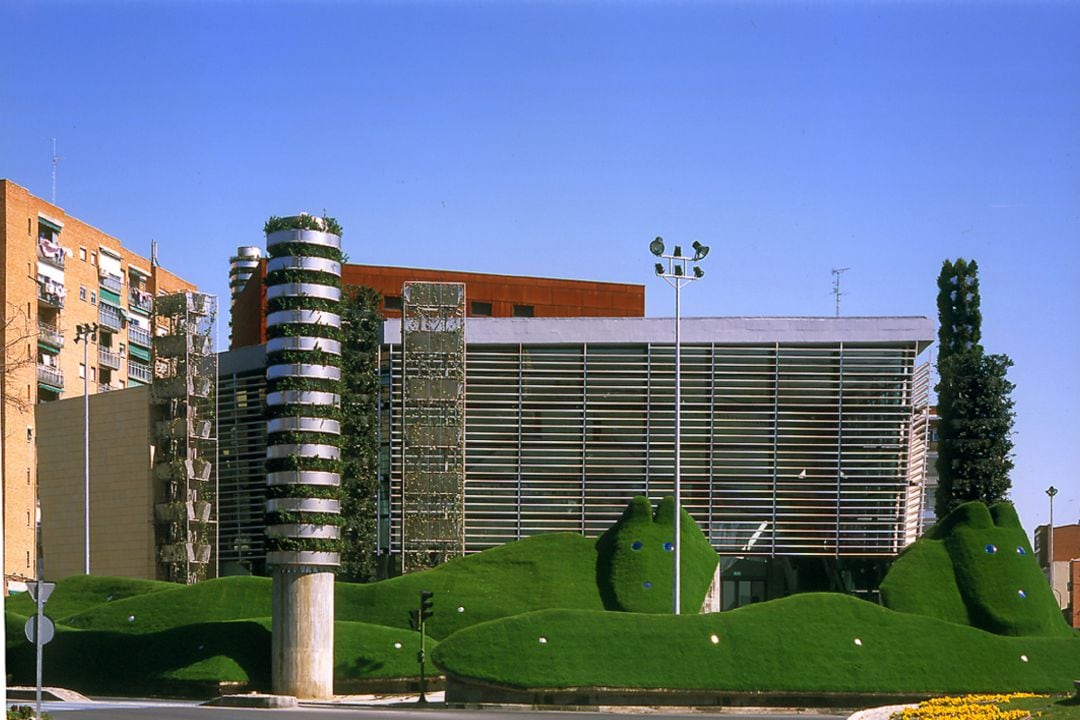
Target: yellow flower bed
point(965, 707)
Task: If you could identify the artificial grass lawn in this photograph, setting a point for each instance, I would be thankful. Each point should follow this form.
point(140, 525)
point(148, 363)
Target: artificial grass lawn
point(103, 662)
point(800, 643)
point(82, 592)
point(976, 567)
point(556, 570)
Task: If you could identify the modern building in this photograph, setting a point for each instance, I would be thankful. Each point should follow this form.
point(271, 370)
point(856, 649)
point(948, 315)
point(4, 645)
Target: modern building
point(804, 439)
point(489, 295)
point(59, 273)
point(1066, 562)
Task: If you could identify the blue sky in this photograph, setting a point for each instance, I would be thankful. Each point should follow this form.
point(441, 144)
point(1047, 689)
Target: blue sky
point(557, 138)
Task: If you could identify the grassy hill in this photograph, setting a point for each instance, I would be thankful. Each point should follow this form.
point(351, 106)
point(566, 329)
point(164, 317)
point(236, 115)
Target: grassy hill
point(811, 642)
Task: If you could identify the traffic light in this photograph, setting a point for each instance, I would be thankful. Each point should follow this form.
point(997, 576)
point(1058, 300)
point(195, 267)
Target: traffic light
point(425, 605)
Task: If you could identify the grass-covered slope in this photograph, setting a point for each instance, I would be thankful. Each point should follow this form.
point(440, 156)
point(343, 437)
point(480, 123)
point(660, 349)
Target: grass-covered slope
point(238, 651)
point(976, 567)
point(82, 592)
point(223, 599)
point(557, 570)
point(812, 642)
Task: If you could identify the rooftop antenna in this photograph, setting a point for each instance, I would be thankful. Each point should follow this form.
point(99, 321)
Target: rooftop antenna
point(153, 254)
point(836, 286)
point(55, 162)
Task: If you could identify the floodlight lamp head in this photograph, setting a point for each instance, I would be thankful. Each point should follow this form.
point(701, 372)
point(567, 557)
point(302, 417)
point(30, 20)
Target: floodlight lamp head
point(700, 251)
point(678, 251)
point(698, 272)
point(679, 270)
point(656, 247)
point(659, 268)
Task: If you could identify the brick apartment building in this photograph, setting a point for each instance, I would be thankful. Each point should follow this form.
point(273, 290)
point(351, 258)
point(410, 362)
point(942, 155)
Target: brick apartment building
point(1066, 566)
point(59, 273)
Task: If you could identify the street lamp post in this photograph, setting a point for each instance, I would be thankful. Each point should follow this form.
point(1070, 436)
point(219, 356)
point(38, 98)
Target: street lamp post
point(676, 275)
point(1051, 491)
point(84, 333)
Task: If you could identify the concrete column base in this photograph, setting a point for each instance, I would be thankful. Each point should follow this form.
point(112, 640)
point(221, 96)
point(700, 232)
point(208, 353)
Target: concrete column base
point(302, 643)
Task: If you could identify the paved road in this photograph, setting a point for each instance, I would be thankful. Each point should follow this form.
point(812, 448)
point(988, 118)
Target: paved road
point(148, 710)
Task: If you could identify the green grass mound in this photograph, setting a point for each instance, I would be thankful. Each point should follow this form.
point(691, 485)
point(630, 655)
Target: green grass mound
point(975, 567)
point(555, 570)
point(81, 592)
point(223, 599)
point(813, 642)
point(106, 662)
point(635, 560)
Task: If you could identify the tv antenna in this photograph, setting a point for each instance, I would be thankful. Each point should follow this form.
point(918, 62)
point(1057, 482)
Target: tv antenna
point(55, 162)
point(836, 286)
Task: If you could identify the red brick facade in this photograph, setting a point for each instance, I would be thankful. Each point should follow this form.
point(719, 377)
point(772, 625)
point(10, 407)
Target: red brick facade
point(485, 295)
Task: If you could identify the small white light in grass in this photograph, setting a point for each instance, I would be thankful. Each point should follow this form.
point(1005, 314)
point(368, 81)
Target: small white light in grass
point(1023, 658)
point(858, 641)
point(131, 618)
point(397, 646)
point(714, 639)
point(543, 640)
point(461, 608)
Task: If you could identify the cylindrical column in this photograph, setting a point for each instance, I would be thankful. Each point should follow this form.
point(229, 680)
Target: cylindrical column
point(303, 372)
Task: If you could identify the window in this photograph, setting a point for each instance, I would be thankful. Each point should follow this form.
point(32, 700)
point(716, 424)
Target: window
point(93, 258)
point(481, 309)
point(82, 293)
point(82, 372)
point(82, 254)
point(93, 298)
point(121, 348)
point(392, 302)
point(93, 374)
point(523, 311)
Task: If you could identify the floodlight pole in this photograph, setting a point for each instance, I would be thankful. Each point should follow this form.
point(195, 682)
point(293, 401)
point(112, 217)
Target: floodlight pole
point(85, 332)
point(1051, 492)
point(675, 274)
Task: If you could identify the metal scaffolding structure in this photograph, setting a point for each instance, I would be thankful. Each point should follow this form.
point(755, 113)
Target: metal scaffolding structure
point(184, 392)
point(433, 422)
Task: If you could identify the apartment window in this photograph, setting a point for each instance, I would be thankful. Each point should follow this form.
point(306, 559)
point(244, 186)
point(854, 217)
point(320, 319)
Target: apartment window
point(82, 370)
point(82, 293)
point(93, 374)
point(82, 254)
point(523, 311)
point(481, 309)
point(93, 258)
point(93, 298)
point(392, 302)
point(121, 348)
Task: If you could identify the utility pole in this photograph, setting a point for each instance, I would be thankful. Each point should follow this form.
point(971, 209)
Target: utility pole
point(85, 332)
point(55, 162)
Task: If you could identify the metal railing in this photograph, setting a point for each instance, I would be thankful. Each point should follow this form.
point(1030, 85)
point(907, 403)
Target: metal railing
point(138, 336)
point(50, 298)
point(109, 317)
point(50, 376)
point(141, 300)
point(111, 282)
point(140, 372)
point(109, 359)
point(49, 335)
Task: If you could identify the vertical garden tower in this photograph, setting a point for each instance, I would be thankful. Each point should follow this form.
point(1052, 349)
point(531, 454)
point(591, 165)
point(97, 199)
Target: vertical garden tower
point(303, 372)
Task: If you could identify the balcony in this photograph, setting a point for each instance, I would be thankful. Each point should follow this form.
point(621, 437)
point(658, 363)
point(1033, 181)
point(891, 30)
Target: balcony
point(109, 359)
point(50, 335)
point(138, 336)
point(141, 300)
point(110, 317)
point(51, 294)
point(50, 252)
point(139, 372)
point(111, 282)
point(48, 375)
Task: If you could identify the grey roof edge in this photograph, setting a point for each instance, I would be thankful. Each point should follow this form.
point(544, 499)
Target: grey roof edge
point(735, 330)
